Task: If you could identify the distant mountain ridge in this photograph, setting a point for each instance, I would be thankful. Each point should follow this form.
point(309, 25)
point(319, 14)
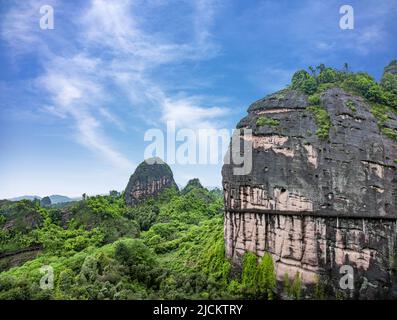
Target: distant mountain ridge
point(55, 198)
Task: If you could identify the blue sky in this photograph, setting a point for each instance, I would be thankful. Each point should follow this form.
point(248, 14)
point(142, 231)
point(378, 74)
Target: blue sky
point(76, 101)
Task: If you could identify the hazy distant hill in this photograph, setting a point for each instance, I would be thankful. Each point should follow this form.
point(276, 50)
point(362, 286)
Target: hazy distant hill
point(25, 198)
point(55, 198)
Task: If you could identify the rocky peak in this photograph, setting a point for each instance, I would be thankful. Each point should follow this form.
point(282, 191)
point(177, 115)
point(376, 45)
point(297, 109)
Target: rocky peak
point(192, 183)
point(150, 178)
point(391, 67)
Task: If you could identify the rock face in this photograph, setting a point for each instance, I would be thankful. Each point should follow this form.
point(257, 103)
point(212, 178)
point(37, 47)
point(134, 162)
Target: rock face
point(150, 177)
point(392, 67)
point(315, 204)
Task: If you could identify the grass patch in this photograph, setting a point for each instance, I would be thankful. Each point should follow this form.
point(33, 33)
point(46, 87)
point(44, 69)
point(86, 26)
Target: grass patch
point(351, 105)
point(262, 121)
point(314, 100)
point(322, 119)
point(380, 112)
point(389, 133)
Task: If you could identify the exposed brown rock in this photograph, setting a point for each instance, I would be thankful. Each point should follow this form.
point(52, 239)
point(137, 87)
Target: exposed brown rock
point(149, 179)
point(315, 204)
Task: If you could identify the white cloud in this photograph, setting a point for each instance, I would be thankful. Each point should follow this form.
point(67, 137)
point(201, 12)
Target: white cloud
point(112, 118)
point(77, 80)
point(189, 114)
point(20, 26)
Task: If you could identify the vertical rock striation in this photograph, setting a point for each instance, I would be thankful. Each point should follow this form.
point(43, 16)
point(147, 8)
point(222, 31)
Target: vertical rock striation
point(315, 204)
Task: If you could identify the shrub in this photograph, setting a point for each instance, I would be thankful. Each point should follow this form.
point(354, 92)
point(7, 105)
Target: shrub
point(132, 252)
point(314, 99)
point(319, 289)
point(296, 288)
point(351, 105)
point(298, 78)
point(309, 86)
point(248, 276)
point(328, 75)
point(380, 113)
point(266, 277)
point(262, 121)
point(322, 120)
point(389, 83)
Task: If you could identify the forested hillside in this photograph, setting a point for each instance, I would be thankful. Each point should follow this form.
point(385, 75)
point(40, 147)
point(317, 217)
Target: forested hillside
point(167, 247)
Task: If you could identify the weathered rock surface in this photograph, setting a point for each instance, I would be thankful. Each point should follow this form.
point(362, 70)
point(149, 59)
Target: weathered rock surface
point(391, 67)
point(314, 204)
point(150, 178)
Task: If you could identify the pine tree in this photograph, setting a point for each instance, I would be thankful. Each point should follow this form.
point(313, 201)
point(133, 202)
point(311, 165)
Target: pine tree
point(266, 277)
point(297, 287)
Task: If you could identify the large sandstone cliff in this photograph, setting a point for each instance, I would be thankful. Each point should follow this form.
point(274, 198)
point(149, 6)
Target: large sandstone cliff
point(317, 204)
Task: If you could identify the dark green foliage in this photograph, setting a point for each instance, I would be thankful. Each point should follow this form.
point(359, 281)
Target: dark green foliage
point(294, 290)
point(266, 278)
point(248, 276)
point(18, 222)
point(258, 280)
point(327, 75)
point(389, 83)
point(299, 78)
point(144, 214)
point(45, 202)
point(302, 80)
point(133, 252)
point(114, 193)
point(310, 85)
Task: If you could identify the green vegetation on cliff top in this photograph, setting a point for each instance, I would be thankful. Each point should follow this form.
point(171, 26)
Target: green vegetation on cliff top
point(382, 97)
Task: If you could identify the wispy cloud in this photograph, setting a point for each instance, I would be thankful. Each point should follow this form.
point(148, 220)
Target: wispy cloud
point(111, 47)
point(112, 118)
point(188, 113)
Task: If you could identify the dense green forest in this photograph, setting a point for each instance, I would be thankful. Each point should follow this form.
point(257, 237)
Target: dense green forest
point(168, 247)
